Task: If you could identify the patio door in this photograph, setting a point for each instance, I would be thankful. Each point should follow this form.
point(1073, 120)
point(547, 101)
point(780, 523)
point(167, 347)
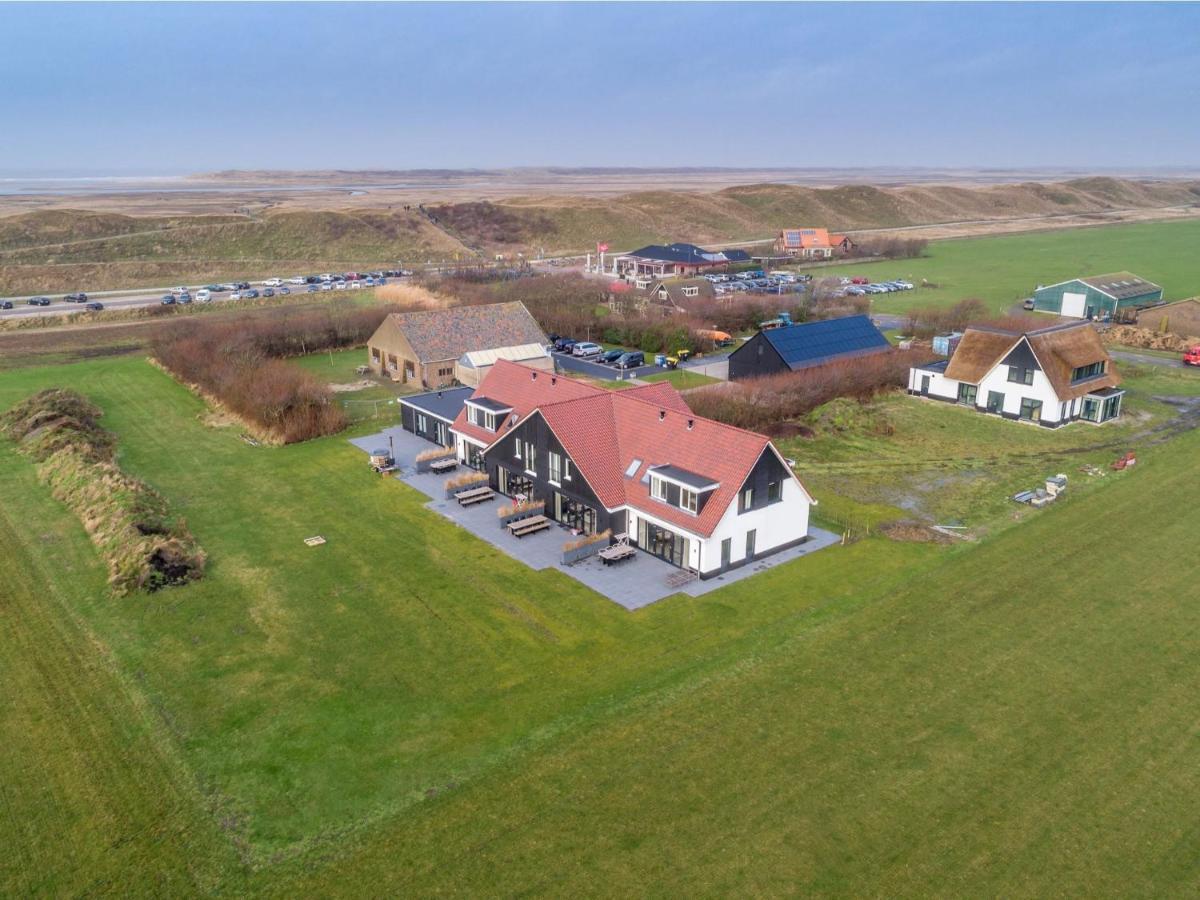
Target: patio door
point(442, 434)
point(665, 544)
point(575, 515)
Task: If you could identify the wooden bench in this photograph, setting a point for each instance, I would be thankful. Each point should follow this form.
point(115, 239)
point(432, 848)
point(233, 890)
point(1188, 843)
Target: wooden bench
point(522, 527)
point(443, 465)
point(474, 495)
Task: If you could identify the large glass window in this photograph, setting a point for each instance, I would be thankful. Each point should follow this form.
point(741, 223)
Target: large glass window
point(1089, 371)
point(995, 402)
point(774, 491)
point(967, 393)
point(555, 464)
point(687, 500)
point(1112, 408)
point(663, 543)
point(1031, 409)
point(1020, 375)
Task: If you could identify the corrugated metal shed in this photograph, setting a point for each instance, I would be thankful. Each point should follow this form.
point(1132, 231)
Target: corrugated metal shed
point(813, 343)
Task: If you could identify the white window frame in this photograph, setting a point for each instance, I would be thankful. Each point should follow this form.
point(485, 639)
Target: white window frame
point(658, 488)
point(422, 422)
point(530, 459)
point(688, 500)
point(554, 468)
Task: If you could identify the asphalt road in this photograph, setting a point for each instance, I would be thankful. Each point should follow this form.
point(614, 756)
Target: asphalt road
point(120, 300)
point(1146, 359)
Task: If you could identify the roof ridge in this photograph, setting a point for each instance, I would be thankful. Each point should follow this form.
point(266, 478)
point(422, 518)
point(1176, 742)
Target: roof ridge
point(691, 415)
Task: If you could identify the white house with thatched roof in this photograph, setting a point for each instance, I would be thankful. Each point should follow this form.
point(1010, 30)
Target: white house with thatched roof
point(1051, 376)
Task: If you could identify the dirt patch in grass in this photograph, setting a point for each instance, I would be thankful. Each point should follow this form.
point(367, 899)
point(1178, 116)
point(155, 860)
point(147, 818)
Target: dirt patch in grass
point(352, 386)
point(913, 532)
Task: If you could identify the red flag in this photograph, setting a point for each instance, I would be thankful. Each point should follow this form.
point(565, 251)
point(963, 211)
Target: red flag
point(600, 248)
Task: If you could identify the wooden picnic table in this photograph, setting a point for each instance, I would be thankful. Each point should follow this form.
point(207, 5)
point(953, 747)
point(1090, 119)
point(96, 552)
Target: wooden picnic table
point(444, 465)
point(475, 495)
point(620, 549)
point(522, 527)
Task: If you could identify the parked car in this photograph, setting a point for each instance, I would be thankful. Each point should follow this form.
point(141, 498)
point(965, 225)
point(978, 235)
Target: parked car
point(241, 285)
point(312, 289)
point(327, 286)
point(285, 290)
point(168, 300)
point(214, 288)
point(81, 297)
point(184, 299)
point(273, 282)
point(860, 279)
point(39, 301)
point(1192, 356)
point(585, 349)
point(6, 304)
point(631, 360)
point(339, 285)
point(1027, 303)
point(204, 295)
point(95, 306)
point(268, 292)
point(563, 344)
point(251, 294)
point(297, 279)
point(609, 357)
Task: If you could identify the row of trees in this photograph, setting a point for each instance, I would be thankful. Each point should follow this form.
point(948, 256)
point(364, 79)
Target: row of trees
point(242, 364)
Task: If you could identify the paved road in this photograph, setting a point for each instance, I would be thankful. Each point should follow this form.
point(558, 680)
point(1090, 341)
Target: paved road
point(118, 300)
point(1145, 359)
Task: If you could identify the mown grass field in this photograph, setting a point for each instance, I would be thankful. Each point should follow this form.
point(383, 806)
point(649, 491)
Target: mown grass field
point(406, 711)
point(1002, 271)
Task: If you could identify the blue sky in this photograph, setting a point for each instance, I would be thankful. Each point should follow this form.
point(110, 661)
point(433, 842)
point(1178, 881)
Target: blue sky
point(181, 87)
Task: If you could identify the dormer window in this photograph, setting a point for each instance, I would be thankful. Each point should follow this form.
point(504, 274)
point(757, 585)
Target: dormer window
point(1092, 370)
point(679, 487)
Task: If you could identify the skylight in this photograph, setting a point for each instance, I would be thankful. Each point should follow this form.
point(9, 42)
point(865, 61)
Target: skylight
point(633, 467)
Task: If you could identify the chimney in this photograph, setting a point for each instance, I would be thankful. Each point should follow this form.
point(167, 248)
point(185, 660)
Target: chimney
point(533, 376)
point(662, 415)
point(553, 380)
point(691, 422)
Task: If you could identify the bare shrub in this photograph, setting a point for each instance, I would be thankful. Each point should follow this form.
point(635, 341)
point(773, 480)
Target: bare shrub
point(765, 404)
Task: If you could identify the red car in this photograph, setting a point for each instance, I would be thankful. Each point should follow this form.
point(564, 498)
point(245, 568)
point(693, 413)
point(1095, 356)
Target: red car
point(860, 279)
point(1191, 356)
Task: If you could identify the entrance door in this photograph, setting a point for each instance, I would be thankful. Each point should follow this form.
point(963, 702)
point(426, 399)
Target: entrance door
point(726, 552)
point(663, 543)
point(751, 537)
point(924, 384)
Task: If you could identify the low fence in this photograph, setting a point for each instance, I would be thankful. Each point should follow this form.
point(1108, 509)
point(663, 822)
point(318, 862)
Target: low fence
point(589, 545)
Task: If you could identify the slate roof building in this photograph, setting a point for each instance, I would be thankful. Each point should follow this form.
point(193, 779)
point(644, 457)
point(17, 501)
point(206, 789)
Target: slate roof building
point(674, 260)
point(424, 347)
point(700, 494)
point(796, 347)
point(430, 415)
point(1051, 376)
point(811, 243)
point(1115, 296)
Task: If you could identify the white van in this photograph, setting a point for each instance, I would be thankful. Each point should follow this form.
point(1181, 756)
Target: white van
point(203, 296)
point(326, 278)
point(273, 282)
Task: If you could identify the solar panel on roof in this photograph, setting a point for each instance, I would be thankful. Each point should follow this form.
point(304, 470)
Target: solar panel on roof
point(816, 342)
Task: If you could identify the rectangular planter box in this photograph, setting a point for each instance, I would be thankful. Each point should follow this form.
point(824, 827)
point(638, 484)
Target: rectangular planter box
point(424, 464)
point(579, 553)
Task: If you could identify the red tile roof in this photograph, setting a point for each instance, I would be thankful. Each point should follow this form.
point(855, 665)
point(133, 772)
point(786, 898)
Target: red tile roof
point(605, 431)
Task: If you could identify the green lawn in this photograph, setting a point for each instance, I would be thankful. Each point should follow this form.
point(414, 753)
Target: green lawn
point(1003, 270)
point(682, 378)
point(406, 711)
point(899, 457)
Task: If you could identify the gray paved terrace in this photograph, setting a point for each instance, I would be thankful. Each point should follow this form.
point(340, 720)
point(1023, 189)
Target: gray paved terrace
point(633, 584)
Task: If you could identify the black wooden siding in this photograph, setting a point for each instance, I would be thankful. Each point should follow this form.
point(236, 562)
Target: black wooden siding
point(767, 469)
point(537, 432)
point(408, 421)
point(754, 358)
